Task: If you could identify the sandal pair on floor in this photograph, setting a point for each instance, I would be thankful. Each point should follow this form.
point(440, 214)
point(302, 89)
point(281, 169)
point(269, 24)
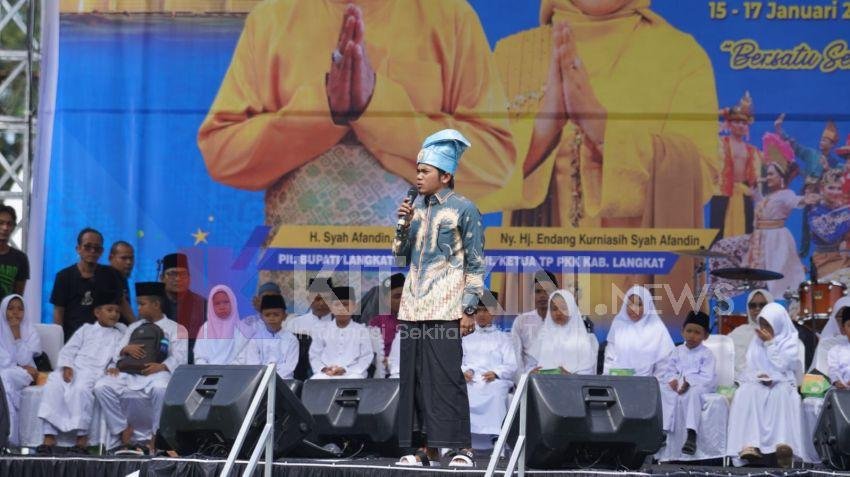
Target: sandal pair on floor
point(462, 458)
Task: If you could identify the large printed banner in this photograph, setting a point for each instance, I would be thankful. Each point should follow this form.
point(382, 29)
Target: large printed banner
point(606, 137)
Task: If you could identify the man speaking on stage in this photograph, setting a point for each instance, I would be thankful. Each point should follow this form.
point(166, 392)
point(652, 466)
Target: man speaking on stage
point(441, 239)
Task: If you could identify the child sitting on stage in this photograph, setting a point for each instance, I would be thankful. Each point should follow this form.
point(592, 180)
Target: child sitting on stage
point(765, 413)
point(272, 343)
point(489, 364)
point(67, 399)
point(19, 344)
point(690, 374)
point(341, 348)
point(563, 342)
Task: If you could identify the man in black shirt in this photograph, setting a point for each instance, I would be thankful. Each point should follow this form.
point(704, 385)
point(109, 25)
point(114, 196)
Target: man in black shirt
point(14, 264)
point(73, 287)
point(181, 304)
point(122, 258)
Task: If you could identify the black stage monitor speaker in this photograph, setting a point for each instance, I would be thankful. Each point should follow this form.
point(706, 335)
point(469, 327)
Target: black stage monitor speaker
point(600, 421)
point(832, 433)
point(361, 410)
point(205, 405)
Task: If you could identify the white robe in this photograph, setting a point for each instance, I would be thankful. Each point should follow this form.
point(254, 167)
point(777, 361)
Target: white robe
point(744, 334)
point(67, 407)
point(349, 348)
point(567, 346)
point(644, 345)
point(697, 367)
point(488, 349)
point(394, 359)
point(222, 340)
point(838, 362)
point(524, 330)
point(762, 416)
point(14, 354)
point(280, 348)
point(114, 392)
point(223, 351)
point(304, 324)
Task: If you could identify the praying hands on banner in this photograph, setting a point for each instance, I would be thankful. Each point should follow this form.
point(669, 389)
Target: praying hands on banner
point(351, 79)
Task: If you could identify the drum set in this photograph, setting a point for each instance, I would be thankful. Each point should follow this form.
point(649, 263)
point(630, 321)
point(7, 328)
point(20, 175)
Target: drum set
point(814, 299)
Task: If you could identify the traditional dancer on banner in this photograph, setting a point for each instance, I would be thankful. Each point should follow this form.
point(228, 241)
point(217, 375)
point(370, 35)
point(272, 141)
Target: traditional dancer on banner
point(771, 245)
point(732, 209)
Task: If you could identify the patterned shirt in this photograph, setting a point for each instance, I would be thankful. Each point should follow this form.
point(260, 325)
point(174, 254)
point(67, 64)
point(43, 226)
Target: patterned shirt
point(444, 247)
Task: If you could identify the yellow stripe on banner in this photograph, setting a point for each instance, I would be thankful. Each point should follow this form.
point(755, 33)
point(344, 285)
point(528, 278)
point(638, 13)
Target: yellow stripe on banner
point(548, 238)
point(333, 236)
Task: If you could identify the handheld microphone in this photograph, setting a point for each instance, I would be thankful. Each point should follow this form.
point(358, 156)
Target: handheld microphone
point(402, 221)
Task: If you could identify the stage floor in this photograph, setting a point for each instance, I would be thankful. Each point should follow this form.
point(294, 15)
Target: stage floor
point(36, 466)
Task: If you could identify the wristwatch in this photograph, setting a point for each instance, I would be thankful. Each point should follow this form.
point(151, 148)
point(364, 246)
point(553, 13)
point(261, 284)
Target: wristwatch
point(469, 310)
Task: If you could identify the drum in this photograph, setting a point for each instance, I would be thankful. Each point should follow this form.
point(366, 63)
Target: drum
point(816, 302)
point(727, 323)
point(816, 299)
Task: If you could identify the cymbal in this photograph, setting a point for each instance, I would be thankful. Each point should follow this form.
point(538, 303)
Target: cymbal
point(747, 274)
point(702, 253)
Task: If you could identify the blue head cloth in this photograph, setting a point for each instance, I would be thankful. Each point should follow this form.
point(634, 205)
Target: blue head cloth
point(443, 150)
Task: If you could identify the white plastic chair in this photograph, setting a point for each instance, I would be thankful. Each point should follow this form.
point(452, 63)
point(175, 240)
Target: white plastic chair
point(52, 340)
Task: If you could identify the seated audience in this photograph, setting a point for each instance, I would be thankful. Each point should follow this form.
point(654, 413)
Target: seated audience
point(563, 343)
point(638, 342)
point(271, 342)
point(744, 334)
point(341, 348)
point(19, 345)
point(222, 338)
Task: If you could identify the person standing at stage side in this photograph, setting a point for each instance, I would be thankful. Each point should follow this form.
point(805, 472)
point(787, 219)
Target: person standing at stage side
point(443, 244)
point(182, 304)
point(122, 257)
point(526, 326)
point(14, 264)
point(73, 287)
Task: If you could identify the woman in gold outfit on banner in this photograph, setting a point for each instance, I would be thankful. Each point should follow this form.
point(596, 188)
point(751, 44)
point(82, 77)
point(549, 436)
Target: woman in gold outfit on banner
point(615, 114)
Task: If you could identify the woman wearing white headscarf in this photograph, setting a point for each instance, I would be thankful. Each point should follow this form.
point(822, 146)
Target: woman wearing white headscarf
point(563, 341)
point(221, 339)
point(830, 336)
point(744, 334)
point(19, 344)
point(638, 339)
point(765, 413)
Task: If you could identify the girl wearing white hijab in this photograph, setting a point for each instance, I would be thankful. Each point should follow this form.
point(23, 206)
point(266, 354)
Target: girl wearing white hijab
point(19, 344)
point(563, 341)
point(221, 339)
point(765, 413)
point(638, 339)
point(830, 336)
point(744, 334)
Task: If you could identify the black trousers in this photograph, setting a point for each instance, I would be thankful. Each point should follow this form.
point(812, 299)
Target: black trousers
point(433, 407)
